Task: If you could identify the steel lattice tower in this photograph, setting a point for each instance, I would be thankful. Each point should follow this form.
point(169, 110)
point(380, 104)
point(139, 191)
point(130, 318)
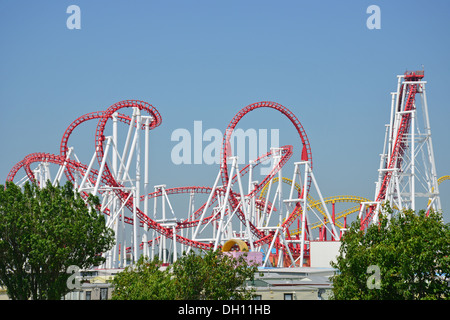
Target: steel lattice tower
point(407, 174)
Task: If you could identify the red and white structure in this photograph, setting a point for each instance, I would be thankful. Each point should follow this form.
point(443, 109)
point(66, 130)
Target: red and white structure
point(144, 216)
point(407, 176)
point(283, 223)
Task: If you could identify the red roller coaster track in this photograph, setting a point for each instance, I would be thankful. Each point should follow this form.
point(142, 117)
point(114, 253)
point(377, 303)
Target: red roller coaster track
point(107, 178)
point(409, 91)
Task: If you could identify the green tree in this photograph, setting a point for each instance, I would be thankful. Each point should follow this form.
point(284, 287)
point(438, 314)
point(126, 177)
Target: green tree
point(213, 276)
point(145, 280)
point(43, 231)
point(195, 276)
point(408, 254)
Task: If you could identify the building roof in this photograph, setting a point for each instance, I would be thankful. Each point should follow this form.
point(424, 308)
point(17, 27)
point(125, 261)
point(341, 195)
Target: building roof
point(293, 278)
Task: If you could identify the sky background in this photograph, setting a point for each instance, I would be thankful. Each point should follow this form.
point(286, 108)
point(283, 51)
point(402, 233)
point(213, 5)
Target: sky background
point(206, 60)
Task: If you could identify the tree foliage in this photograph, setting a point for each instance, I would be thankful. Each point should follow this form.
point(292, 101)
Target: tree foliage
point(145, 280)
point(411, 252)
point(208, 276)
point(42, 232)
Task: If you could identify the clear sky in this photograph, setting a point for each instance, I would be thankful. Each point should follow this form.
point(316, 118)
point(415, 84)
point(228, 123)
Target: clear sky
point(205, 60)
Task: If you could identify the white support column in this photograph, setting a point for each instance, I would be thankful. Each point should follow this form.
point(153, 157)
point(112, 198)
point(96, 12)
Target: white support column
point(115, 140)
point(154, 235)
point(121, 174)
point(333, 229)
point(269, 250)
point(304, 216)
point(434, 184)
point(137, 194)
point(265, 216)
point(244, 208)
point(227, 193)
point(146, 183)
point(62, 168)
point(135, 223)
point(102, 166)
point(114, 206)
point(163, 248)
point(174, 232)
point(208, 202)
point(413, 160)
point(86, 174)
point(277, 157)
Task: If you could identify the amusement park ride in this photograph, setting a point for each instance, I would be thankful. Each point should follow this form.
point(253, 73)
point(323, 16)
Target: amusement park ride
point(278, 216)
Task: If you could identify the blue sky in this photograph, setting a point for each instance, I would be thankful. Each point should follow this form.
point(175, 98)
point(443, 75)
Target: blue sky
point(205, 60)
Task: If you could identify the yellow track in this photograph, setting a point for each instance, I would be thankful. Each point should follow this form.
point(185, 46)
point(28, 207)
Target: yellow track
point(317, 204)
point(442, 179)
point(439, 181)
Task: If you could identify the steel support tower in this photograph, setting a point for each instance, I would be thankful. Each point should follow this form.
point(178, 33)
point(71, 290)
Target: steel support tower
point(407, 177)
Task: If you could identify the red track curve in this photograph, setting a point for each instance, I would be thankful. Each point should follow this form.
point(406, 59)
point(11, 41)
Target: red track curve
point(306, 155)
point(107, 178)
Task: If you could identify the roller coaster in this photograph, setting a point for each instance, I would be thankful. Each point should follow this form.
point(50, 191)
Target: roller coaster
point(278, 222)
point(407, 172)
